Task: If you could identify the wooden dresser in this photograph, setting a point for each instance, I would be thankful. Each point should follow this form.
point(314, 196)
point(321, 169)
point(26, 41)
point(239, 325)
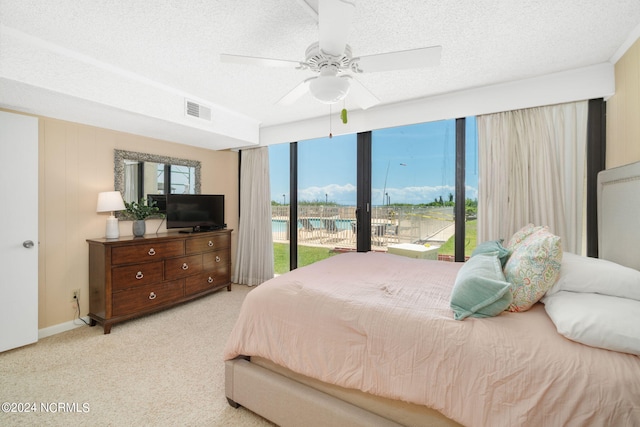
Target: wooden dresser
point(133, 276)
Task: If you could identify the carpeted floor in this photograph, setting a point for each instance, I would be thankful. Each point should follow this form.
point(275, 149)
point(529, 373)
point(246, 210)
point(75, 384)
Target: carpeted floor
point(165, 369)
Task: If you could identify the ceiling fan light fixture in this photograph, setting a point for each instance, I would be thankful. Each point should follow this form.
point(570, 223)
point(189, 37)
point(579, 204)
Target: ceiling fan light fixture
point(329, 89)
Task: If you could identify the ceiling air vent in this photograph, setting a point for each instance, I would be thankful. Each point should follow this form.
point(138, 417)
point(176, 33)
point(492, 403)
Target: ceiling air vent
point(199, 111)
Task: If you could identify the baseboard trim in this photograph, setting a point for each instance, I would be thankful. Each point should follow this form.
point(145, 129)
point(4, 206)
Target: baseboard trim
point(61, 327)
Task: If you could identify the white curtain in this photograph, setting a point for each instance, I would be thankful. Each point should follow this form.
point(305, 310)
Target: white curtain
point(532, 170)
point(254, 255)
point(131, 182)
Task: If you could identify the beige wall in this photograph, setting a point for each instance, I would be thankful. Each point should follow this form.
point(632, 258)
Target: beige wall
point(76, 163)
point(623, 111)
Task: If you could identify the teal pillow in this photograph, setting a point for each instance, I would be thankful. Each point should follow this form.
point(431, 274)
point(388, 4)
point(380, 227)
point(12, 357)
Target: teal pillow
point(480, 289)
point(493, 246)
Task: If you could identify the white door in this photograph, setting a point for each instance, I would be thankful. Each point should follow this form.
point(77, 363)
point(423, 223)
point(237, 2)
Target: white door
point(18, 230)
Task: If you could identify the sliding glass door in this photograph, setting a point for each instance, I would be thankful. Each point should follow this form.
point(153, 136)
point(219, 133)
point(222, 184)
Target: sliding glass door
point(387, 188)
point(413, 187)
point(326, 197)
point(471, 185)
point(280, 177)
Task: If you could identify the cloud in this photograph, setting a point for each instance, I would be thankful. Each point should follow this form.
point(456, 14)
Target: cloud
point(417, 195)
point(341, 194)
point(346, 194)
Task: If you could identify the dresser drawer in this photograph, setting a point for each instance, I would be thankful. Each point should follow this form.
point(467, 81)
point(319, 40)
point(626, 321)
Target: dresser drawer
point(215, 260)
point(203, 281)
point(175, 268)
point(141, 298)
point(136, 275)
point(207, 243)
point(132, 276)
point(146, 252)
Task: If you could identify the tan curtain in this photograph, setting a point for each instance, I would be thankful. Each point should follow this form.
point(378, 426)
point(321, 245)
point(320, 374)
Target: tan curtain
point(532, 170)
point(254, 255)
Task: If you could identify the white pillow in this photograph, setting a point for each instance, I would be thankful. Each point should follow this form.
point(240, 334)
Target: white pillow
point(585, 274)
point(596, 320)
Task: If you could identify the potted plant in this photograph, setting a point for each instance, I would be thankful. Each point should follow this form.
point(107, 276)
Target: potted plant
point(138, 212)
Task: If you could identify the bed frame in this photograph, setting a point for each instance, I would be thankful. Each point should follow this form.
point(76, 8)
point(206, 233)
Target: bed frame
point(289, 399)
point(618, 210)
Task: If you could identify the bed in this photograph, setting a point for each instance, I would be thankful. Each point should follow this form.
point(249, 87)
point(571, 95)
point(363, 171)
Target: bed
point(364, 339)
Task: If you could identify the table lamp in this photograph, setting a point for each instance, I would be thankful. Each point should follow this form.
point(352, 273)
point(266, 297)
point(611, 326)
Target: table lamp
point(111, 201)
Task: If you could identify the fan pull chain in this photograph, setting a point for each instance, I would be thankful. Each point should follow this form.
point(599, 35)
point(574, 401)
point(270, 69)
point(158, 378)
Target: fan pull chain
point(343, 113)
point(330, 133)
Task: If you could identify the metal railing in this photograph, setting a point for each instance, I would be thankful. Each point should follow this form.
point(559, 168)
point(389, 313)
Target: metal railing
point(336, 225)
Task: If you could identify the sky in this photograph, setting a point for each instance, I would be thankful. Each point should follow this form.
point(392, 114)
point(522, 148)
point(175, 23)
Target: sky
point(410, 164)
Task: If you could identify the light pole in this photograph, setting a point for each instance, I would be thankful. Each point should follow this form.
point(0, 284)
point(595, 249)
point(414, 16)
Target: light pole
point(384, 189)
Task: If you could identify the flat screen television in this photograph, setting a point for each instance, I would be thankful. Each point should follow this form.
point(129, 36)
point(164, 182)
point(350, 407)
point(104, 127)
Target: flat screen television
point(198, 212)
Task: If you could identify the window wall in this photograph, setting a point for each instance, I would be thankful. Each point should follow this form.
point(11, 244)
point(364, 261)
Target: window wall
point(413, 185)
point(327, 191)
point(471, 185)
point(410, 176)
point(280, 177)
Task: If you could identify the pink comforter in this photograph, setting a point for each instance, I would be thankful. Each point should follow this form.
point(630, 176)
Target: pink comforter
point(382, 324)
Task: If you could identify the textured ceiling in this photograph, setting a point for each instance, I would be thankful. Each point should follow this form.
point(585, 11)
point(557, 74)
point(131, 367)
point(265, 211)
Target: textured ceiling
point(134, 59)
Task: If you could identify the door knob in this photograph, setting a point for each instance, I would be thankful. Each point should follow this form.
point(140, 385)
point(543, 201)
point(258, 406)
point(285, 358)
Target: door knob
point(27, 244)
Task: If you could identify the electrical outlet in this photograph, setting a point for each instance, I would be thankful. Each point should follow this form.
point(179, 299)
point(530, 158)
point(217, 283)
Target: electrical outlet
point(75, 295)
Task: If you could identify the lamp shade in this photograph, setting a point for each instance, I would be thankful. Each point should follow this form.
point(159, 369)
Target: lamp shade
point(110, 201)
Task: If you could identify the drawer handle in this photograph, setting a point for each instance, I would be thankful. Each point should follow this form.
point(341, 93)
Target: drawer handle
point(152, 295)
point(210, 243)
point(217, 258)
point(139, 275)
point(152, 252)
point(185, 266)
point(210, 279)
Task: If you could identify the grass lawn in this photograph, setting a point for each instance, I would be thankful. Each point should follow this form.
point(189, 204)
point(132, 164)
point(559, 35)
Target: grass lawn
point(470, 241)
point(306, 255)
point(310, 254)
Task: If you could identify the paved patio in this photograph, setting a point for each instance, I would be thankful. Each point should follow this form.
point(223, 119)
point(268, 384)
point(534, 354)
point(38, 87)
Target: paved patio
point(382, 235)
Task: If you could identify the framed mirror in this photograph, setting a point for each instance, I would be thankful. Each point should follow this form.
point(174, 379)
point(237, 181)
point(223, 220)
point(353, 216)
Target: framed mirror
point(136, 175)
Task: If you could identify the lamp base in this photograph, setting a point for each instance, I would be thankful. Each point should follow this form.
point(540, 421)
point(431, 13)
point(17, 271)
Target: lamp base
point(113, 228)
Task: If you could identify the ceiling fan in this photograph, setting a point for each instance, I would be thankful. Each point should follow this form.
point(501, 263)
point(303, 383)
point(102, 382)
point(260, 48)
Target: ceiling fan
point(332, 59)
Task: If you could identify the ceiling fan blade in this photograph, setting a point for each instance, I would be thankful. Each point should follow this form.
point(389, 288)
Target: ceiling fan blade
point(254, 60)
point(400, 60)
point(296, 93)
point(335, 17)
point(362, 96)
point(311, 7)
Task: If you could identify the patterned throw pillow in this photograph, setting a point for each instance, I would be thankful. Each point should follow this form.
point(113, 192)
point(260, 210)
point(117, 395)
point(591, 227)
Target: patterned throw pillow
point(533, 267)
point(522, 234)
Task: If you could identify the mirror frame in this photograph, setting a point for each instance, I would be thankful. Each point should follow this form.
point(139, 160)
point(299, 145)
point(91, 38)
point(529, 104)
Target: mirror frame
point(120, 156)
